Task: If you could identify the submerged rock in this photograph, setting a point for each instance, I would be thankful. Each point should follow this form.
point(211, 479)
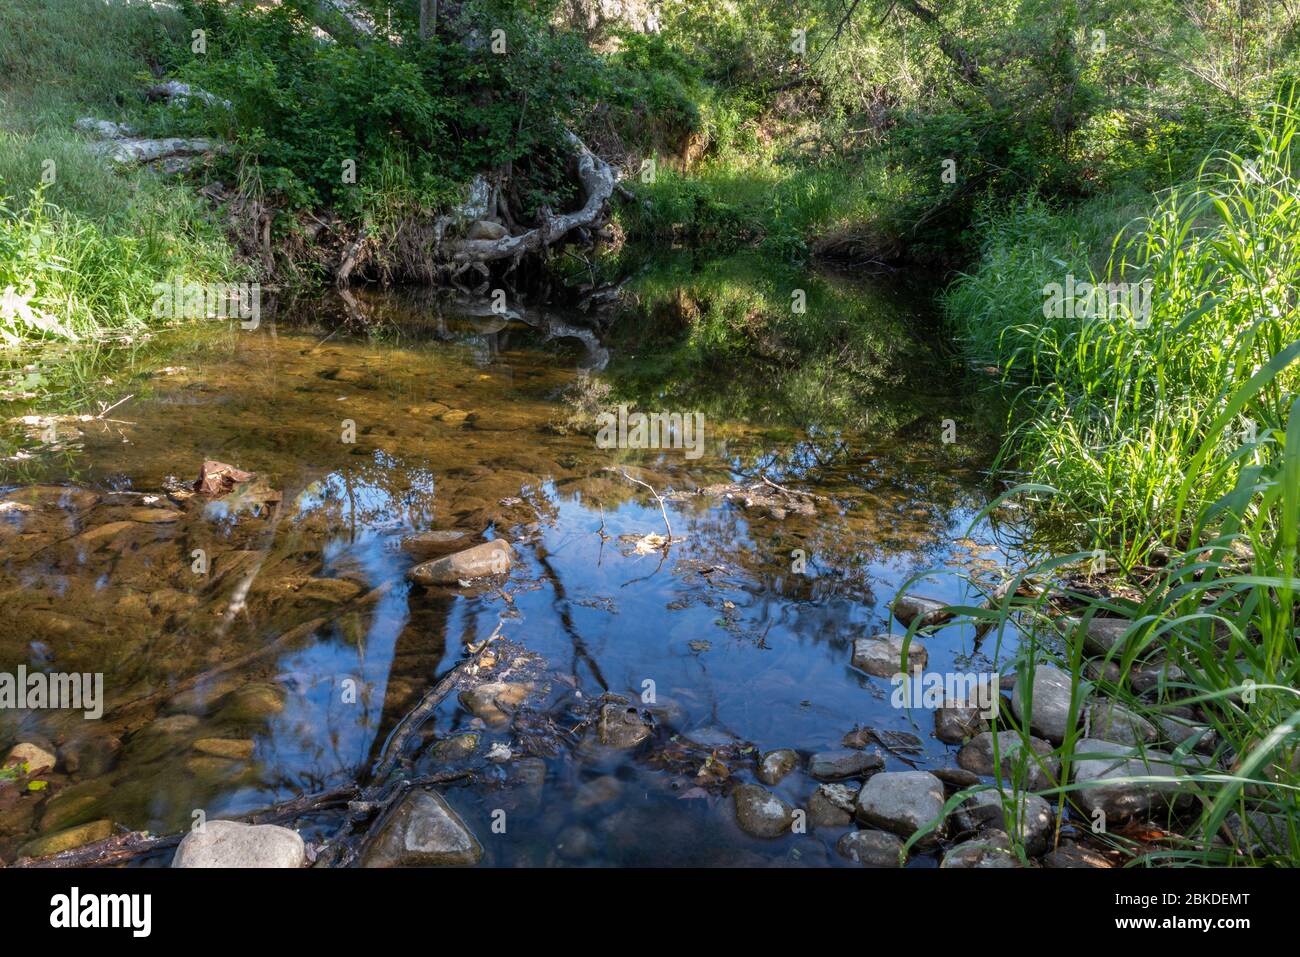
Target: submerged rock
point(839, 765)
point(621, 726)
point(66, 840)
point(494, 701)
point(902, 802)
point(235, 844)
point(1049, 703)
point(435, 542)
point(761, 813)
point(880, 655)
point(423, 831)
point(35, 758)
point(775, 765)
point(481, 561)
point(870, 848)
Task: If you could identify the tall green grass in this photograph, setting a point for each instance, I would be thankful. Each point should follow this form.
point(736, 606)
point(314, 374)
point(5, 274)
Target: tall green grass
point(1112, 409)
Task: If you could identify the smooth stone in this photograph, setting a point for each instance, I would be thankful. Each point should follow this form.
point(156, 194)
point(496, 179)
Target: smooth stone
point(1110, 721)
point(36, 758)
point(957, 779)
point(1119, 800)
point(953, 723)
point(424, 831)
point(576, 843)
point(254, 704)
point(776, 765)
point(66, 840)
point(154, 516)
point(902, 802)
point(840, 765)
point(235, 749)
point(91, 755)
point(981, 853)
point(1050, 701)
point(1101, 635)
point(204, 698)
point(824, 811)
point(621, 726)
point(879, 655)
point(1177, 731)
point(1031, 817)
point(494, 701)
point(458, 747)
point(870, 848)
point(761, 813)
point(480, 561)
point(597, 791)
point(331, 591)
point(1260, 833)
point(1150, 678)
point(435, 542)
point(234, 844)
point(910, 608)
point(69, 808)
point(977, 757)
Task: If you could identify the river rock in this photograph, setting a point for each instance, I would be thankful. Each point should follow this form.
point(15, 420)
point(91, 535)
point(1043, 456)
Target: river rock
point(880, 655)
point(494, 701)
point(233, 749)
point(597, 791)
point(66, 840)
point(776, 765)
point(91, 754)
point(435, 542)
point(235, 844)
point(481, 561)
point(840, 765)
point(36, 759)
point(1111, 721)
point(761, 813)
point(621, 726)
point(926, 611)
point(423, 831)
point(1031, 817)
point(902, 802)
point(870, 848)
point(254, 703)
point(827, 811)
point(576, 843)
point(1177, 730)
point(1121, 800)
point(991, 851)
point(457, 748)
point(954, 723)
point(1038, 773)
point(1050, 701)
point(1102, 634)
point(956, 779)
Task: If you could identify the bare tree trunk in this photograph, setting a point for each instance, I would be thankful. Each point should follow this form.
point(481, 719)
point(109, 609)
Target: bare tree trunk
point(428, 18)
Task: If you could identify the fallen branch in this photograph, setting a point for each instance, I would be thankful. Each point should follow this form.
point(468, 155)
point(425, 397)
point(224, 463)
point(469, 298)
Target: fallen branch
point(663, 511)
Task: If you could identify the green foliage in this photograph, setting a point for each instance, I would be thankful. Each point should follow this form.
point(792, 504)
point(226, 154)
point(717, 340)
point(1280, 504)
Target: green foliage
point(1114, 410)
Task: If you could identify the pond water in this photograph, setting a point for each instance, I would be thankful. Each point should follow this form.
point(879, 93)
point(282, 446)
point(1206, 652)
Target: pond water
point(317, 644)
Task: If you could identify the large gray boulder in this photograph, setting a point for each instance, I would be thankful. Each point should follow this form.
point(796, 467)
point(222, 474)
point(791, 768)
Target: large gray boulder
point(1034, 771)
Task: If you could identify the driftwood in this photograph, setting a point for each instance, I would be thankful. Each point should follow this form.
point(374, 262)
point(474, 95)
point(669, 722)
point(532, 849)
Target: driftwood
point(598, 181)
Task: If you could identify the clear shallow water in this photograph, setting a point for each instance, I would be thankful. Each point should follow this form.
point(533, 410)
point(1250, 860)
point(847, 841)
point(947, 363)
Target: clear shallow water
point(460, 423)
